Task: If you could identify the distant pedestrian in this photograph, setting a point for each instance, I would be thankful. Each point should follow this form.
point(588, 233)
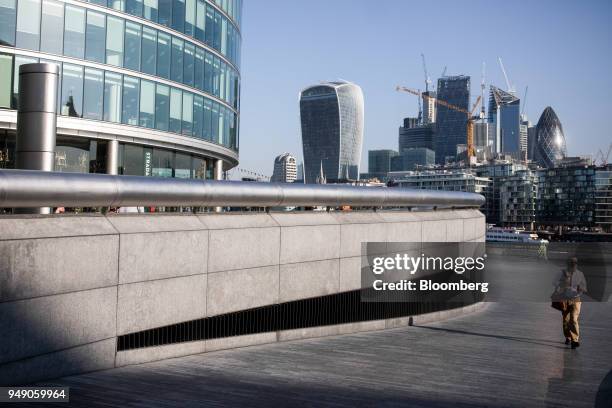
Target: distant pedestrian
point(566, 297)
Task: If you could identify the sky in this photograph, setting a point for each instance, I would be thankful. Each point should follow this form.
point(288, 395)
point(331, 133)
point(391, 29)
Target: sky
point(561, 50)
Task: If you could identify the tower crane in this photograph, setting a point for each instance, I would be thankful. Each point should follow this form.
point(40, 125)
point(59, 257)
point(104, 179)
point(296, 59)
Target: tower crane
point(601, 158)
point(470, 115)
point(508, 84)
point(427, 79)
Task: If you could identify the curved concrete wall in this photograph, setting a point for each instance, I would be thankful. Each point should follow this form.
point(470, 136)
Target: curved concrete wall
point(70, 285)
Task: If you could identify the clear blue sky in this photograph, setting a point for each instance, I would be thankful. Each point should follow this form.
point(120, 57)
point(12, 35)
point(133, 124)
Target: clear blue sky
point(561, 49)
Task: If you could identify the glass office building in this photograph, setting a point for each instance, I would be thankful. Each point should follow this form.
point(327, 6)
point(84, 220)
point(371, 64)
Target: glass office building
point(504, 122)
point(331, 116)
point(550, 140)
point(451, 125)
point(160, 77)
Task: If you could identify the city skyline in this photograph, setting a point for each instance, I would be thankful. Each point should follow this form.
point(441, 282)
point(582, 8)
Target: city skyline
point(561, 71)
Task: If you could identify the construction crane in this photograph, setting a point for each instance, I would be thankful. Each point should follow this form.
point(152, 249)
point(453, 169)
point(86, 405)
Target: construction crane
point(427, 79)
point(508, 84)
point(524, 101)
point(443, 72)
point(482, 92)
point(601, 158)
point(470, 115)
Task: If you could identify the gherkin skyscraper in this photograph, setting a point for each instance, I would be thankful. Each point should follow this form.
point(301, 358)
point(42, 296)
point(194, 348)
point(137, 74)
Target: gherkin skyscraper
point(550, 140)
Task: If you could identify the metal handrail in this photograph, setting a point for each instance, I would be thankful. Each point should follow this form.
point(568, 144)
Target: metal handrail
point(31, 188)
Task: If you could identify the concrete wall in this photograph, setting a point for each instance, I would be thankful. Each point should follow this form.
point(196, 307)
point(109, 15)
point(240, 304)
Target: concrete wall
point(70, 285)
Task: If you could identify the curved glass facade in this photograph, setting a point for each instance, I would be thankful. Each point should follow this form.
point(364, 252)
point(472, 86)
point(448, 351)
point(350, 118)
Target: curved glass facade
point(550, 139)
point(167, 66)
point(332, 116)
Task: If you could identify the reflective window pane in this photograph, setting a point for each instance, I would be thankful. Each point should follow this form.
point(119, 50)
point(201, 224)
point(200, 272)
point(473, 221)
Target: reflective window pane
point(162, 107)
point(182, 165)
point(175, 110)
point(198, 116)
point(188, 63)
point(19, 61)
point(208, 73)
point(6, 73)
point(147, 104)
point(176, 72)
point(72, 90)
point(198, 168)
point(178, 15)
point(8, 21)
point(112, 97)
point(163, 55)
point(117, 4)
point(187, 126)
point(95, 36)
point(216, 76)
point(162, 163)
point(150, 10)
point(131, 98)
point(132, 46)
point(52, 27)
point(114, 41)
point(190, 17)
point(74, 32)
point(133, 160)
point(207, 130)
point(28, 24)
point(210, 21)
point(164, 12)
point(149, 50)
point(200, 20)
point(93, 93)
point(134, 7)
point(217, 31)
point(198, 73)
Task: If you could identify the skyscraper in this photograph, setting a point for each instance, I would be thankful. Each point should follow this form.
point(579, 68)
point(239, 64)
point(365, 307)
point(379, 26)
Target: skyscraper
point(429, 107)
point(331, 115)
point(379, 162)
point(451, 125)
point(285, 169)
point(550, 145)
point(413, 135)
point(504, 119)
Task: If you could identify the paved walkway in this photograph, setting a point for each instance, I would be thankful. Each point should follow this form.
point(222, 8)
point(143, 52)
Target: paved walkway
point(504, 355)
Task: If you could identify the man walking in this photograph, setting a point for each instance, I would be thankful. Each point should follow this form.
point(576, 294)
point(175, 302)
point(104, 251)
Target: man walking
point(570, 286)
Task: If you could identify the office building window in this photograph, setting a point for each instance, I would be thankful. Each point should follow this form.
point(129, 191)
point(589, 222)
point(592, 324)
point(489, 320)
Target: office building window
point(149, 50)
point(198, 73)
point(190, 17)
point(164, 15)
point(131, 98)
point(208, 73)
point(147, 104)
point(93, 93)
point(114, 41)
point(72, 90)
point(95, 36)
point(207, 130)
point(178, 15)
point(163, 55)
point(215, 124)
point(117, 4)
point(176, 71)
point(162, 107)
point(19, 61)
point(162, 163)
point(200, 20)
point(187, 126)
point(198, 116)
point(134, 7)
point(28, 24)
point(112, 97)
point(182, 165)
point(6, 74)
point(132, 46)
point(188, 64)
point(175, 110)
point(74, 32)
point(8, 21)
point(52, 27)
point(132, 161)
point(150, 10)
